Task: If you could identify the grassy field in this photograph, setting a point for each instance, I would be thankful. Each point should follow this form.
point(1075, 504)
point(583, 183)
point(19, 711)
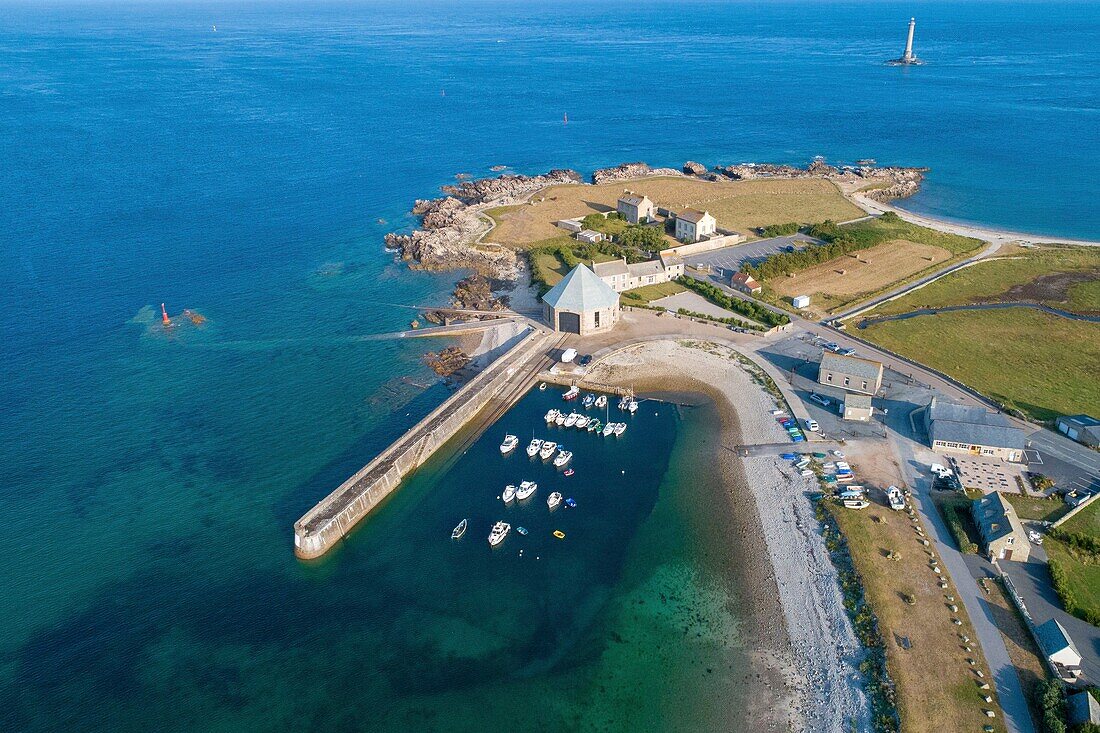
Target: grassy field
point(1065, 277)
point(936, 688)
point(1041, 364)
point(1042, 510)
point(1082, 572)
point(737, 205)
point(1086, 521)
point(846, 279)
point(647, 293)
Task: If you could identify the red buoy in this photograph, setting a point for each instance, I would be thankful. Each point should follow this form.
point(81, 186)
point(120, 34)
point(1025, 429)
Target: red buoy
point(164, 316)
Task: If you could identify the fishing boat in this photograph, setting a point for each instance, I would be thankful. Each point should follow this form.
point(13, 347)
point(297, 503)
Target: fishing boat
point(582, 421)
point(547, 449)
point(560, 419)
point(551, 416)
point(459, 530)
point(594, 426)
point(588, 401)
point(571, 393)
point(526, 490)
point(559, 534)
point(509, 444)
point(894, 496)
point(856, 503)
point(499, 532)
point(608, 429)
point(601, 401)
point(620, 428)
point(522, 531)
point(571, 503)
point(563, 457)
point(553, 500)
point(533, 447)
point(571, 419)
point(624, 402)
point(567, 472)
point(509, 493)
point(632, 406)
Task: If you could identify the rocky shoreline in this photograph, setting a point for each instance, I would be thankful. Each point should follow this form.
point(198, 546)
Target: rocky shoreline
point(452, 226)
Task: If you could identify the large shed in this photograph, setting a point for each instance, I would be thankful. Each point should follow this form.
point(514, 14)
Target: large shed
point(581, 303)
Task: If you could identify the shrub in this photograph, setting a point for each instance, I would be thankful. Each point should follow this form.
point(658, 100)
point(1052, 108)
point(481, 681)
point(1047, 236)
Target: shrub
point(778, 230)
point(645, 237)
point(958, 531)
point(1064, 588)
point(1052, 701)
point(746, 308)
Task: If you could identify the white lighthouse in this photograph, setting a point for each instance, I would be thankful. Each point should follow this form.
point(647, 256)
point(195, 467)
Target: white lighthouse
point(908, 59)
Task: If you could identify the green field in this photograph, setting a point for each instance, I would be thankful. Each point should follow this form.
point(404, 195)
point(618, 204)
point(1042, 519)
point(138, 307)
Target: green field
point(1086, 521)
point(1022, 274)
point(1083, 578)
point(1039, 509)
point(1038, 363)
point(647, 293)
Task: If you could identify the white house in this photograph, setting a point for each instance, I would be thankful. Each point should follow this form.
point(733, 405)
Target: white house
point(634, 208)
point(1059, 649)
point(622, 276)
point(693, 225)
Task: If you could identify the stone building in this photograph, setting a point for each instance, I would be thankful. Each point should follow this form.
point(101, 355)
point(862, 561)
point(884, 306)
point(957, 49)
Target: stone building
point(693, 225)
point(975, 431)
point(1002, 533)
point(855, 406)
point(1059, 649)
point(850, 373)
point(745, 283)
point(581, 303)
point(635, 209)
point(621, 275)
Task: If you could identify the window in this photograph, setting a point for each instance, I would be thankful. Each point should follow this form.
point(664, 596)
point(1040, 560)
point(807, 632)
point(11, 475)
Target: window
point(829, 377)
point(597, 314)
point(865, 384)
point(1010, 540)
point(846, 381)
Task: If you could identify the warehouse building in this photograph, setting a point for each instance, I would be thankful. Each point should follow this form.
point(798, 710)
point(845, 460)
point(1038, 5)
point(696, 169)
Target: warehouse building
point(850, 372)
point(975, 431)
point(1082, 428)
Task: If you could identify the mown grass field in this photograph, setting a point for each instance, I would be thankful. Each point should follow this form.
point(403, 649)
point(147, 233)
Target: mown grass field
point(1086, 521)
point(1082, 571)
point(1038, 275)
point(736, 205)
point(648, 293)
point(1042, 510)
point(1041, 364)
point(935, 686)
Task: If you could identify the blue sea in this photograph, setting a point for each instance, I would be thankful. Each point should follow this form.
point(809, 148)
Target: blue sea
point(247, 174)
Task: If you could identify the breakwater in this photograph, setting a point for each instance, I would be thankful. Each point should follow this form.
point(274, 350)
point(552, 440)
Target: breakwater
point(493, 390)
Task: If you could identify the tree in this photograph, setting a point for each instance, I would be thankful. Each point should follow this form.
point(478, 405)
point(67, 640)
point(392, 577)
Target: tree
point(639, 236)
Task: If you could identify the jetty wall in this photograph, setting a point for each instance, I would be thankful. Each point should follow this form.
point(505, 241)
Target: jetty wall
point(503, 381)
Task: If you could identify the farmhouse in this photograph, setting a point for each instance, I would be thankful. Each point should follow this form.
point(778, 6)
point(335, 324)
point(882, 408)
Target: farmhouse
point(589, 236)
point(1059, 649)
point(581, 303)
point(634, 208)
point(693, 225)
point(745, 283)
point(850, 372)
point(1002, 533)
point(954, 428)
point(622, 276)
point(856, 406)
point(1082, 428)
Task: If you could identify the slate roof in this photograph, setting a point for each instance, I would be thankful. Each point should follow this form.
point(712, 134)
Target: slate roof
point(581, 291)
point(995, 518)
point(693, 215)
point(1054, 638)
point(634, 200)
point(671, 258)
point(853, 366)
point(1082, 708)
point(1084, 423)
point(857, 400)
point(614, 267)
point(956, 423)
point(649, 267)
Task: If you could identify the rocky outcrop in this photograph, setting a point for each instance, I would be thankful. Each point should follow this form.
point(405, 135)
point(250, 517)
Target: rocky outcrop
point(692, 168)
point(448, 361)
point(630, 171)
point(904, 182)
point(508, 188)
point(899, 182)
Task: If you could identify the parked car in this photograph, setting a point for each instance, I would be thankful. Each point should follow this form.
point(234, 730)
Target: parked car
point(1035, 537)
point(585, 360)
point(821, 400)
point(848, 352)
point(812, 426)
point(834, 347)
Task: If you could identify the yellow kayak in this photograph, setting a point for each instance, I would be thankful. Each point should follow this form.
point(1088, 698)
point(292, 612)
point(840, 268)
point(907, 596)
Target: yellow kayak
point(559, 534)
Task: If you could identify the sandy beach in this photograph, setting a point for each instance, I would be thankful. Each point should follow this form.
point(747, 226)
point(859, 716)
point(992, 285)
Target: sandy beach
point(803, 648)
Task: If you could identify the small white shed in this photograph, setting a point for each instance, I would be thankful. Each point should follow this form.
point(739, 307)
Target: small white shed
point(800, 301)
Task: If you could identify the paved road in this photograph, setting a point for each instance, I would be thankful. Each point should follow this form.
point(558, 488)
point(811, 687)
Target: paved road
point(730, 259)
point(1069, 463)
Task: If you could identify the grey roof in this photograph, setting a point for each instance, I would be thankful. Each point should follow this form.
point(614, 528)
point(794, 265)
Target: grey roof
point(1054, 638)
point(1082, 708)
point(634, 200)
point(851, 365)
point(995, 517)
point(855, 399)
point(693, 215)
point(589, 233)
point(607, 269)
point(671, 258)
point(581, 291)
point(940, 409)
point(954, 423)
point(649, 267)
point(1083, 421)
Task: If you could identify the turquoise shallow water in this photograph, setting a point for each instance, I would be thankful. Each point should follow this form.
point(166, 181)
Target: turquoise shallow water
point(149, 483)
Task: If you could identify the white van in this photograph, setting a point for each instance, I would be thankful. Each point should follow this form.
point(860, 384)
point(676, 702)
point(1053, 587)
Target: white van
point(568, 355)
point(812, 426)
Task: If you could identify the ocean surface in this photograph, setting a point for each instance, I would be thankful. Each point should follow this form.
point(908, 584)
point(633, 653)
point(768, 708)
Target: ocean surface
point(248, 173)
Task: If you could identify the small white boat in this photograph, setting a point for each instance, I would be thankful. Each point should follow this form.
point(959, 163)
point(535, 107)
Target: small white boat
point(624, 402)
point(459, 530)
point(509, 493)
point(588, 401)
point(500, 531)
point(601, 401)
point(856, 503)
point(563, 457)
point(632, 406)
point(526, 490)
point(551, 416)
point(571, 393)
point(533, 447)
point(894, 496)
point(542, 386)
point(509, 444)
point(608, 429)
point(620, 428)
point(571, 419)
point(553, 500)
point(547, 449)
point(594, 425)
point(582, 421)
point(560, 419)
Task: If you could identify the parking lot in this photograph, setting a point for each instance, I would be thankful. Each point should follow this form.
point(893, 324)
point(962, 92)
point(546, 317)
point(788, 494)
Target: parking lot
point(728, 260)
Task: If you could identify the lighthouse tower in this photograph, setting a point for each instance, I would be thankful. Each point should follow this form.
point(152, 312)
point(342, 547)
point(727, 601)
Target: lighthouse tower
point(908, 59)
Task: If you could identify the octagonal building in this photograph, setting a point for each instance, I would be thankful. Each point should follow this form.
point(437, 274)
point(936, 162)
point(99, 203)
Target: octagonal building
point(581, 303)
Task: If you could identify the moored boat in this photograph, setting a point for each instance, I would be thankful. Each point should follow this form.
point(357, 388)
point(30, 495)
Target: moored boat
point(608, 429)
point(553, 500)
point(567, 472)
point(547, 449)
point(459, 530)
point(526, 490)
point(560, 419)
point(499, 532)
point(601, 401)
point(563, 457)
point(551, 416)
point(509, 493)
point(559, 534)
point(620, 428)
point(533, 447)
point(571, 393)
point(509, 444)
point(571, 503)
point(588, 401)
point(571, 419)
point(582, 421)
point(542, 386)
point(522, 530)
point(594, 426)
point(632, 406)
